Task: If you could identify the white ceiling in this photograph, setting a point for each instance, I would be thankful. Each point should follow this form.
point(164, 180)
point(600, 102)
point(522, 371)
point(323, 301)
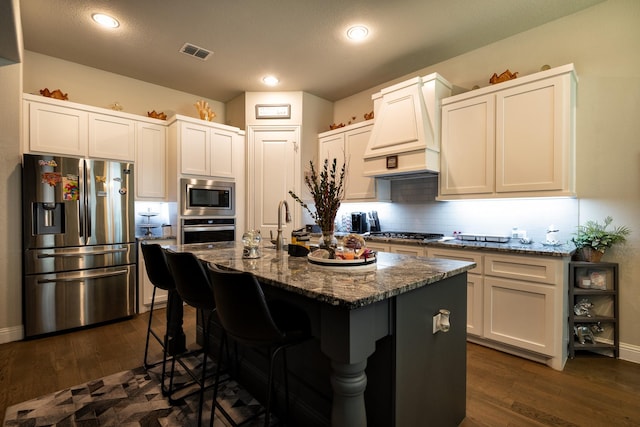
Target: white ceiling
point(301, 41)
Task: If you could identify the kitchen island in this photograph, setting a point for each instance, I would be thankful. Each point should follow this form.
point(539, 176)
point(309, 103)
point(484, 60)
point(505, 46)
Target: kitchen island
point(383, 365)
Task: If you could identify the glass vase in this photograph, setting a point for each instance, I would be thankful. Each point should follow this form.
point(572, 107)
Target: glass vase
point(328, 239)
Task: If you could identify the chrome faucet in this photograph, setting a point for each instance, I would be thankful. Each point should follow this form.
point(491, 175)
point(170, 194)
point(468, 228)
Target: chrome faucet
point(279, 238)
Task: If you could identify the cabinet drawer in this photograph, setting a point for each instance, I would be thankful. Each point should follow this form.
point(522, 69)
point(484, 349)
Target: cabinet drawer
point(407, 250)
point(532, 269)
point(379, 247)
point(460, 256)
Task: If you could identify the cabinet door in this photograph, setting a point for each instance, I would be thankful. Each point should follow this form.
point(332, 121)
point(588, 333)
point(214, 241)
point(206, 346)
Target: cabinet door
point(111, 137)
point(57, 130)
point(521, 314)
point(151, 162)
point(274, 170)
point(194, 149)
point(468, 147)
point(360, 187)
point(475, 304)
point(332, 147)
point(532, 137)
point(475, 285)
point(145, 290)
point(221, 153)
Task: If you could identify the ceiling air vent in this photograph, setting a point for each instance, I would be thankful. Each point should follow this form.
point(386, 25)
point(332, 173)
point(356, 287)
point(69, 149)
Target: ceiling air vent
point(193, 50)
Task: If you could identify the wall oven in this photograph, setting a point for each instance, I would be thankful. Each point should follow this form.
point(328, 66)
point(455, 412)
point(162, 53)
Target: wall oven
point(205, 197)
point(208, 230)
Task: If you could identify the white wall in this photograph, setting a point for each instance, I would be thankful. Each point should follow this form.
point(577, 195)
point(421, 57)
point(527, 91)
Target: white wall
point(603, 42)
point(90, 86)
point(10, 200)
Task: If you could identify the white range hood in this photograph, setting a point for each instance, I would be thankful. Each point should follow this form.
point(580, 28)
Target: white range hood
point(405, 140)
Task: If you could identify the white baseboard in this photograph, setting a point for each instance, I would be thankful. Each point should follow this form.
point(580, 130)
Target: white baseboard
point(630, 353)
point(13, 333)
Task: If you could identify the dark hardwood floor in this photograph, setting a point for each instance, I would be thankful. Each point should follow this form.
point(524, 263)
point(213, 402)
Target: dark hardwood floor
point(502, 390)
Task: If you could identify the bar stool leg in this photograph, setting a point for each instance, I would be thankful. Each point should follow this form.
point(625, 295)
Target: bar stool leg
point(223, 344)
point(146, 364)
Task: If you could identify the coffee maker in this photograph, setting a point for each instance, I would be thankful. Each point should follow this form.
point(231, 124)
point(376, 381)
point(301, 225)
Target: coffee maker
point(359, 222)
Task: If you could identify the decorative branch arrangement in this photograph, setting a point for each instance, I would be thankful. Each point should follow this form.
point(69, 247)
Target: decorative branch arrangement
point(327, 190)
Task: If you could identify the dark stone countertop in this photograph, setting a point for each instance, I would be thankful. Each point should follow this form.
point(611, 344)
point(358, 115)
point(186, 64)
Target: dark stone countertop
point(394, 274)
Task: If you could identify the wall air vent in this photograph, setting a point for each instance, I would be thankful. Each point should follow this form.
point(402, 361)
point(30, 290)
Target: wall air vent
point(195, 51)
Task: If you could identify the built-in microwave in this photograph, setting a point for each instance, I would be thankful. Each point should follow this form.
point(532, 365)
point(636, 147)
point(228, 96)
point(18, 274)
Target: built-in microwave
point(207, 197)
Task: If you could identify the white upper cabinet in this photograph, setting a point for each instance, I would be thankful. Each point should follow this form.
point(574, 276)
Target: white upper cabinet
point(514, 139)
point(65, 128)
point(205, 148)
point(195, 149)
point(468, 147)
point(349, 143)
point(112, 137)
point(56, 129)
point(151, 162)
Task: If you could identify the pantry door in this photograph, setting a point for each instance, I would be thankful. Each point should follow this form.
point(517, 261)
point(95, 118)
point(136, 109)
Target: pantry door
point(274, 164)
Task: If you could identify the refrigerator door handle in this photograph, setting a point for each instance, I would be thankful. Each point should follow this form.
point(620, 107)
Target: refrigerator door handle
point(83, 254)
point(83, 277)
point(81, 202)
point(87, 200)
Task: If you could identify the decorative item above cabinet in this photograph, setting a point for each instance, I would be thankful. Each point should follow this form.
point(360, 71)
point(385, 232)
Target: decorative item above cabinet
point(515, 139)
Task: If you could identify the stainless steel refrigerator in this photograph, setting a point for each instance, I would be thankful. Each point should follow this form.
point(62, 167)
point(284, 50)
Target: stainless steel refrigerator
point(79, 242)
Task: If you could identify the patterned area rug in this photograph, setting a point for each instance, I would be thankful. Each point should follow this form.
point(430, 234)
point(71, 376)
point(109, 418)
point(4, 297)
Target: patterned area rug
point(131, 399)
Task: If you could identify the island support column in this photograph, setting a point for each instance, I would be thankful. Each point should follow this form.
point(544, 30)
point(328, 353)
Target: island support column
point(348, 338)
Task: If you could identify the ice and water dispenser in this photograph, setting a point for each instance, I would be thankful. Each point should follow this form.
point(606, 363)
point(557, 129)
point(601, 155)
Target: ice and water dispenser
point(48, 218)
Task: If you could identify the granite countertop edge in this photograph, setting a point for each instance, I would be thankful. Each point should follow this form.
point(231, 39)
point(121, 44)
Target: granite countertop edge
point(395, 274)
point(513, 247)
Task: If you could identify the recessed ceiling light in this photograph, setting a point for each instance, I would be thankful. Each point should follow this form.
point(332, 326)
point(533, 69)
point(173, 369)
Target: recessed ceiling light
point(358, 32)
point(270, 80)
point(105, 20)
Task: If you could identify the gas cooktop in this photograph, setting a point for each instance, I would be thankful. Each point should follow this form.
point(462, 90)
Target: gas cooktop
point(408, 235)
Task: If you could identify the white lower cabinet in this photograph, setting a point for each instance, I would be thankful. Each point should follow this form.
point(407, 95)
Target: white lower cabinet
point(396, 249)
point(145, 287)
point(520, 313)
point(516, 303)
point(408, 250)
point(475, 285)
point(378, 247)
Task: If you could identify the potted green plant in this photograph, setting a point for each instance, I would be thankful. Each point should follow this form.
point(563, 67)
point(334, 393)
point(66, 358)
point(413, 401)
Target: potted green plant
point(592, 239)
point(327, 190)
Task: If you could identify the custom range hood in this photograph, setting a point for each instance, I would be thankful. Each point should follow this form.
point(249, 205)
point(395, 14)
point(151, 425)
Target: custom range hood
point(405, 139)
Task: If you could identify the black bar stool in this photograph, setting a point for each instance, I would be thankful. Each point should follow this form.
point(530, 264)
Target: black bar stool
point(160, 276)
point(248, 318)
point(192, 284)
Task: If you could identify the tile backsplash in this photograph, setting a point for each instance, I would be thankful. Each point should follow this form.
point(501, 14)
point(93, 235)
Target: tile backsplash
point(414, 208)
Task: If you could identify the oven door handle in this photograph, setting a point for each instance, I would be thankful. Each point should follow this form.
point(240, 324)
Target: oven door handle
point(195, 228)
